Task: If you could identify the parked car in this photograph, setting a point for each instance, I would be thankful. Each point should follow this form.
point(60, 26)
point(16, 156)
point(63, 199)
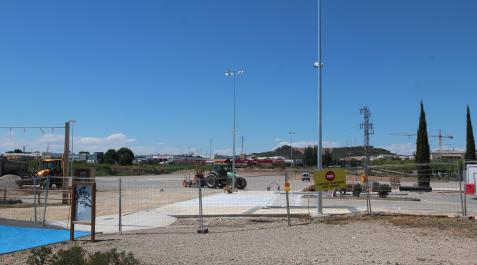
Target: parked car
point(305, 177)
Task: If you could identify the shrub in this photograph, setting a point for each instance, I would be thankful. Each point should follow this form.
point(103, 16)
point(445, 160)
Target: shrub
point(39, 256)
point(356, 190)
point(77, 256)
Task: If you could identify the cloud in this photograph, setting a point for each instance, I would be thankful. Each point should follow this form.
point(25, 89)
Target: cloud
point(225, 151)
point(55, 143)
point(113, 141)
point(401, 149)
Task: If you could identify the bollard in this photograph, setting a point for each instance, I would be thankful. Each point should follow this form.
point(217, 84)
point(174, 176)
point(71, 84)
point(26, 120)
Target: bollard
point(120, 207)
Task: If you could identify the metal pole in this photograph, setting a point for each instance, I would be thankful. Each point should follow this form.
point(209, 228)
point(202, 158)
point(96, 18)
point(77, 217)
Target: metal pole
point(461, 177)
point(120, 206)
point(291, 148)
point(320, 106)
point(34, 197)
point(210, 148)
point(66, 159)
point(72, 149)
point(465, 197)
point(202, 228)
point(288, 200)
point(233, 156)
point(46, 199)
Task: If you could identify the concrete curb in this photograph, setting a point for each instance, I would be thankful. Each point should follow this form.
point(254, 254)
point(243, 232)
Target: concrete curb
point(241, 215)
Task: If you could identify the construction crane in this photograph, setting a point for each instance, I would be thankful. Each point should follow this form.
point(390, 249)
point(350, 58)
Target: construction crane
point(439, 137)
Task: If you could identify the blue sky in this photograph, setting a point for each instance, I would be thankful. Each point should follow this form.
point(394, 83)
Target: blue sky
point(150, 74)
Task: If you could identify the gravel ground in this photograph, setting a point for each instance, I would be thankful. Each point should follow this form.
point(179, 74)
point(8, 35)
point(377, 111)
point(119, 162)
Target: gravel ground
point(354, 240)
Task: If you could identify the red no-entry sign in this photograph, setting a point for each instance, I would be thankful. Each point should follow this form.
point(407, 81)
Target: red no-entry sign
point(330, 175)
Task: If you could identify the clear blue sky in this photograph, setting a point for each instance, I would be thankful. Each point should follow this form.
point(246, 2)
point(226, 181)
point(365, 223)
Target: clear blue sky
point(150, 74)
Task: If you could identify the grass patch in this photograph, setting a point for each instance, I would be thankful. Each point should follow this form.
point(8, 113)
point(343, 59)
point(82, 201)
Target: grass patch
point(138, 170)
point(465, 227)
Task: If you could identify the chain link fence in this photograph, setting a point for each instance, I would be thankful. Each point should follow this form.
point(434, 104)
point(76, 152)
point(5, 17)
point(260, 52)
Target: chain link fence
point(131, 203)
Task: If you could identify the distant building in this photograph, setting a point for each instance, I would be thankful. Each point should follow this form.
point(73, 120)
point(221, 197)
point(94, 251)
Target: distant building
point(447, 154)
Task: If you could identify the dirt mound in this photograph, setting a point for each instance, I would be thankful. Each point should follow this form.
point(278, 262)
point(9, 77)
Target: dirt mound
point(9, 181)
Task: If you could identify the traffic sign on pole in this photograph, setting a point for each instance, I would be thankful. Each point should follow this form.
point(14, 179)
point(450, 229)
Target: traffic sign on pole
point(330, 179)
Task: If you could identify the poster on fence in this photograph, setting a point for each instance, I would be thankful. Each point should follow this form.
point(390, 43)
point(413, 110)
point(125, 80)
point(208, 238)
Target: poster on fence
point(84, 202)
point(83, 206)
point(330, 179)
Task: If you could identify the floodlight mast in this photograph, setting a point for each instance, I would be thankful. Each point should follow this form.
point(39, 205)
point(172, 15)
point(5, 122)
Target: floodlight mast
point(234, 74)
point(319, 66)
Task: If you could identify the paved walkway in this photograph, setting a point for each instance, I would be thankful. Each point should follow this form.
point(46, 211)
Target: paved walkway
point(269, 203)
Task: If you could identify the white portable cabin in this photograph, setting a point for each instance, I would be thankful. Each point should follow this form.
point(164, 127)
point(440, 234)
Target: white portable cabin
point(471, 176)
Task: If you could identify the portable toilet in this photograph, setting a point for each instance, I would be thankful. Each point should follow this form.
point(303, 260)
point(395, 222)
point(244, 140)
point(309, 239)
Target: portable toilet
point(471, 180)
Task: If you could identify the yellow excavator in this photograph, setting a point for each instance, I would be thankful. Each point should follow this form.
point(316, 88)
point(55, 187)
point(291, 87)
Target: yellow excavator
point(52, 168)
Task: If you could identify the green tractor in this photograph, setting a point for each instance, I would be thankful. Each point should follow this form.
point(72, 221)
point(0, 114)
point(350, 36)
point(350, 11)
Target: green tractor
point(222, 175)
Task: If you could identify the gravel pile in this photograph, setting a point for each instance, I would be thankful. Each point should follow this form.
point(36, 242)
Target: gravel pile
point(271, 241)
point(9, 181)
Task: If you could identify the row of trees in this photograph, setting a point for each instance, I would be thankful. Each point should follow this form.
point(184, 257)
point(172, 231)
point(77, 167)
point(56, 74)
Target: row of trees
point(124, 156)
point(423, 154)
point(310, 156)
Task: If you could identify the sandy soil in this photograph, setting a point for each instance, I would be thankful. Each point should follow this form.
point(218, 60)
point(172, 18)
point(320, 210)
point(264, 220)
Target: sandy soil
point(356, 240)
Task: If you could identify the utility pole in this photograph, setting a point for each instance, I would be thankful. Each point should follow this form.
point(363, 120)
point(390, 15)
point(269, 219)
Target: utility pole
point(291, 147)
point(66, 160)
point(367, 126)
point(210, 148)
point(242, 154)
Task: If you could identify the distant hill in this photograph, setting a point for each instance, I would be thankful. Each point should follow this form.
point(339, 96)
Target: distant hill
point(337, 153)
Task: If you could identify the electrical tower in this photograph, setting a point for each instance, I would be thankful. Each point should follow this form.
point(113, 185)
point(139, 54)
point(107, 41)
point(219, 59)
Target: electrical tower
point(367, 126)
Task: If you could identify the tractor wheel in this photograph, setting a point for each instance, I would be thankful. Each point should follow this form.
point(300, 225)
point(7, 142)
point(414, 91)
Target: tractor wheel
point(241, 183)
point(211, 181)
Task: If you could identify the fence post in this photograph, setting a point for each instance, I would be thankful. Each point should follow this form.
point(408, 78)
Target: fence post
point(120, 206)
point(465, 197)
point(34, 198)
point(461, 177)
point(287, 190)
point(202, 228)
point(47, 187)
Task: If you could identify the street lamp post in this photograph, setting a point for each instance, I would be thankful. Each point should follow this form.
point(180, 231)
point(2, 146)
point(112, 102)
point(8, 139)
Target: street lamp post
point(234, 74)
point(291, 147)
point(319, 66)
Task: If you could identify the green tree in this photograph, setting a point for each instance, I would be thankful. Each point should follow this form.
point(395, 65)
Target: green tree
point(125, 156)
point(110, 157)
point(423, 151)
point(327, 159)
point(470, 146)
point(308, 156)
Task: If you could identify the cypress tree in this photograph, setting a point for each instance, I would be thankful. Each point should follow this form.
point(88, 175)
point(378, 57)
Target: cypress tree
point(423, 151)
point(470, 146)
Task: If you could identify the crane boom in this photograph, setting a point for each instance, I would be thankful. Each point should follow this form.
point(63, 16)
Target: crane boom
point(439, 136)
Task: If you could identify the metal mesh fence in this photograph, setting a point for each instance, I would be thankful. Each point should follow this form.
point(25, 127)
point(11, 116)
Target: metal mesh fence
point(131, 203)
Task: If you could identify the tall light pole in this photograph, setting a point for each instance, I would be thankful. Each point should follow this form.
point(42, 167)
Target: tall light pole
point(210, 148)
point(234, 74)
point(319, 66)
point(291, 147)
point(72, 122)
